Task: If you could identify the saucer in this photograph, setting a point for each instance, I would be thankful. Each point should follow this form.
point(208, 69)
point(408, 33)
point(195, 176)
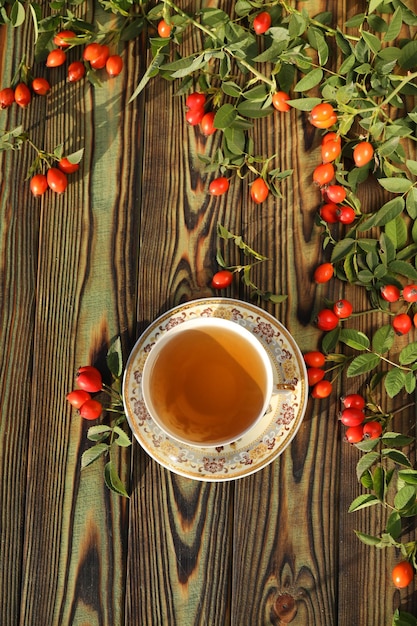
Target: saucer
point(266, 440)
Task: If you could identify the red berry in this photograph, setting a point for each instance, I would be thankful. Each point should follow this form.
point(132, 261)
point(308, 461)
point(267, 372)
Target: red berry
point(222, 279)
point(60, 38)
point(322, 389)
point(38, 184)
point(323, 174)
point(363, 153)
point(101, 59)
point(56, 58)
point(331, 147)
point(342, 309)
point(259, 190)
point(114, 65)
point(6, 97)
point(77, 397)
point(57, 180)
point(164, 29)
point(402, 574)
point(323, 273)
point(219, 186)
point(194, 116)
point(372, 430)
point(66, 166)
point(314, 375)
point(91, 51)
point(328, 213)
point(76, 71)
point(327, 320)
point(91, 409)
point(195, 100)
point(206, 124)
point(410, 293)
point(354, 434)
point(353, 400)
point(41, 86)
point(352, 416)
point(314, 358)
point(22, 95)
point(89, 379)
point(390, 293)
point(322, 115)
point(402, 323)
point(280, 101)
point(262, 22)
point(335, 193)
point(345, 214)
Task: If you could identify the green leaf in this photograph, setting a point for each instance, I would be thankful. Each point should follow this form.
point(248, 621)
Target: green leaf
point(225, 116)
point(409, 476)
point(365, 462)
point(342, 249)
point(363, 501)
point(408, 57)
point(362, 364)
point(395, 25)
point(114, 358)
point(304, 104)
point(231, 89)
point(354, 339)
point(389, 211)
point(411, 203)
point(402, 618)
point(369, 540)
point(122, 438)
point(92, 454)
point(408, 354)
point(383, 339)
point(404, 269)
point(372, 41)
point(150, 72)
point(17, 14)
point(394, 382)
point(309, 81)
point(95, 433)
point(330, 340)
point(405, 497)
point(397, 456)
point(394, 527)
point(396, 184)
point(397, 440)
point(235, 140)
point(112, 480)
point(250, 109)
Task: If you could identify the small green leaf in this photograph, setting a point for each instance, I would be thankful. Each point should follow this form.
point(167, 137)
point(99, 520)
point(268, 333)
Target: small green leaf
point(363, 501)
point(362, 364)
point(396, 439)
point(383, 339)
point(408, 354)
point(93, 453)
point(397, 456)
point(113, 481)
point(394, 526)
point(309, 81)
point(405, 497)
point(97, 433)
point(396, 184)
point(408, 57)
point(394, 382)
point(395, 25)
point(369, 540)
point(365, 462)
point(342, 249)
point(409, 476)
point(17, 14)
point(304, 104)
point(122, 438)
point(114, 358)
point(354, 339)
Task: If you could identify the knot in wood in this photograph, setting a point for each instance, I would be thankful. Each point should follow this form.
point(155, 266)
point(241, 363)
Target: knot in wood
point(285, 607)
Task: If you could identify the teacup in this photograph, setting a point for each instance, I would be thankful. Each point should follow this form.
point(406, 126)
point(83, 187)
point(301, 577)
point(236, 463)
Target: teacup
point(207, 382)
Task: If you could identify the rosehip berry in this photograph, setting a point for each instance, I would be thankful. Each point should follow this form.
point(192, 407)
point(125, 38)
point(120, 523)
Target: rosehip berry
point(194, 116)
point(352, 417)
point(207, 127)
point(402, 574)
point(56, 58)
point(114, 65)
point(222, 279)
point(219, 186)
point(402, 323)
point(335, 193)
point(363, 153)
point(372, 430)
point(259, 190)
point(89, 379)
point(323, 174)
point(57, 180)
point(342, 309)
point(353, 400)
point(195, 100)
point(328, 213)
point(262, 22)
point(327, 320)
point(41, 86)
point(314, 358)
point(279, 101)
point(354, 434)
point(91, 409)
point(345, 215)
point(61, 38)
point(76, 71)
point(410, 293)
point(164, 29)
point(390, 293)
point(6, 97)
point(66, 166)
point(322, 389)
point(323, 273)
point(322, 115)
point(22, 95)
point(314, 375)
point(77, 397)
point(91, 51)
point(331, 147)
point(101, 59)
point(38, 184)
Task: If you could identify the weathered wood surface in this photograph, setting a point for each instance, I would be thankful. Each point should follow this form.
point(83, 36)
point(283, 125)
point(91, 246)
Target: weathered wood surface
point(134, 235)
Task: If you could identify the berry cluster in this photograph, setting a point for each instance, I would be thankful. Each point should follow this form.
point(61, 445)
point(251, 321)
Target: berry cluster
point(89, 381)
point(358, 425)
point(402, 322)
point(315, 362)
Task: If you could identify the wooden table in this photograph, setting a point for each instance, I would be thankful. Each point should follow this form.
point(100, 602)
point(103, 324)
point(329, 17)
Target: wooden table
point(134, 235)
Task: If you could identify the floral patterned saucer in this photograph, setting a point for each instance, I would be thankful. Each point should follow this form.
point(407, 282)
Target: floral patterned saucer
point(267, 440)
